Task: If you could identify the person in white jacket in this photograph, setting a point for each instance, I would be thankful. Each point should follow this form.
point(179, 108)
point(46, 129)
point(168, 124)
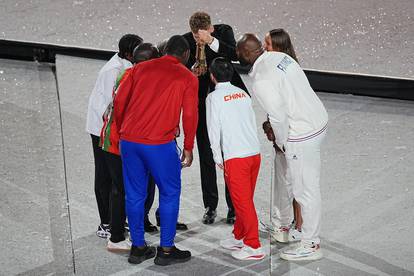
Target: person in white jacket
point(231, 127)
point(299, 120)
point(99, 100)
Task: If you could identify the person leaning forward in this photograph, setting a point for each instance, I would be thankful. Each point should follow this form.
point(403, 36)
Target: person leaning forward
point(148, 109)
point(218, 41)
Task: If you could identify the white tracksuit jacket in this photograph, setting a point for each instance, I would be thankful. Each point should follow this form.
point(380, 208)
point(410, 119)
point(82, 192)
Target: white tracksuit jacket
point(101, 94)
point(231, 123)
point(295, 111)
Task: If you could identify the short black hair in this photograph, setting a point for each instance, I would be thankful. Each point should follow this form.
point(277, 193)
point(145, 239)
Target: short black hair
point(145, 51)
point(161, 46)
point(221, 69)
point(177, 45)
point(127, 44)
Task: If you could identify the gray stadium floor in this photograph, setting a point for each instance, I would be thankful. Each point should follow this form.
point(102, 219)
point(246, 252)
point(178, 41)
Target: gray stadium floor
point(367, 187)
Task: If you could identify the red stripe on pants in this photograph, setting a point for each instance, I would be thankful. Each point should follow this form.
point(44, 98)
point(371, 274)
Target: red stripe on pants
point(241, 175)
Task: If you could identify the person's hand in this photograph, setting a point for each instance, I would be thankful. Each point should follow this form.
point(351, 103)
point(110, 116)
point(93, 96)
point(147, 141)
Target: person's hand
point(187, 158)
point(267, 128)
point(277, 148)
point(205, 37)
point(221, 166)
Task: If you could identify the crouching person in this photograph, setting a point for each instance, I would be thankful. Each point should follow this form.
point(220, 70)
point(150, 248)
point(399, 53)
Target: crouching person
point(232, 131)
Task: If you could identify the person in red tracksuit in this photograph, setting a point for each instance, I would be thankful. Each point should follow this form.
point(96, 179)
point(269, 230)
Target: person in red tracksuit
point(147, 110)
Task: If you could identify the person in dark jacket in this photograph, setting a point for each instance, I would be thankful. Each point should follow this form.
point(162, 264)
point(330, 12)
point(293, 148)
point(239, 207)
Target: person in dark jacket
point(215, 41)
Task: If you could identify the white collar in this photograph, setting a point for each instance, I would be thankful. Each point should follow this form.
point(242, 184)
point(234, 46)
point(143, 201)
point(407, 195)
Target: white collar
point(223, 84)
point(253, 70)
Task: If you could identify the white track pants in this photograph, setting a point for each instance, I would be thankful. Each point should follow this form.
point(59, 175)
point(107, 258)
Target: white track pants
point(297, 175)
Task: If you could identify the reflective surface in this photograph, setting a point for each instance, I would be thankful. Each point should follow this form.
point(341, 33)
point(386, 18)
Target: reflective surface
point(34, 216)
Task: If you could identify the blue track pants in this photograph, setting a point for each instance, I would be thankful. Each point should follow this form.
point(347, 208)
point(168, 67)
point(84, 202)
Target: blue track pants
point(163, 163)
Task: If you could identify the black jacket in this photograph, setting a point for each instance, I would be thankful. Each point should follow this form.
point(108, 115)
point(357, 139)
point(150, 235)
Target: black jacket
point(227, 49)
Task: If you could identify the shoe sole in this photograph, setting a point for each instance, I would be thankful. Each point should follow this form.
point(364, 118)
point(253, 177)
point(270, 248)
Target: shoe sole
point(210, 221)
point(177, 228)
point(278, 239)
point(313, 257)
point(103, 236)
point(251, 258)
point(140, 259)
point(234, 248)
point(164, 262)
point(118, 250)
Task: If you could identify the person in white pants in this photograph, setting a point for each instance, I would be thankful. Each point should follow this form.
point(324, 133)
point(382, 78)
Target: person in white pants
point(299, 121)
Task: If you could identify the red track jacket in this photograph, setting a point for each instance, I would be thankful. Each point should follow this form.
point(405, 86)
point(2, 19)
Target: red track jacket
point(149, 101)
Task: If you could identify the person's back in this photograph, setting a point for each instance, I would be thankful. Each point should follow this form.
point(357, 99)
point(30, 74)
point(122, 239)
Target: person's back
point(231, 128)
point(160, 86)
point(306, 113)
point(233, 106)
point(147, 107)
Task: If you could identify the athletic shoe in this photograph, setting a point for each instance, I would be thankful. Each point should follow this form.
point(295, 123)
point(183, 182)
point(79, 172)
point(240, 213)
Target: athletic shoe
point(119, 247)
point(281, 234)
point(209, 216)
point(294, 235)
point(103, 231)
point(302, 252)
point(138, 255)
point(248, 253)
point(232, 243)
point(172, 256)
point(231, 217)
point(149, 227)
point(179, 226)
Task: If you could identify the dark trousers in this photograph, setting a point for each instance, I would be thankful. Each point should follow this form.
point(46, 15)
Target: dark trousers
point(118, 214)
point(103, 182)
point(150, 197)
point(207, 165)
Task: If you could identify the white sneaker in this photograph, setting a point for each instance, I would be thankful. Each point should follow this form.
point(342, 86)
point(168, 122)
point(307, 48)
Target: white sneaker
point(302, 252)
point(248, 253)
point(120, 247)
point(231, 244)
point(294, 235)
point(281, 234)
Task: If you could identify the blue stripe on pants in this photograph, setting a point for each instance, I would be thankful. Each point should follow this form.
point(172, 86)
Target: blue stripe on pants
point(163, 163)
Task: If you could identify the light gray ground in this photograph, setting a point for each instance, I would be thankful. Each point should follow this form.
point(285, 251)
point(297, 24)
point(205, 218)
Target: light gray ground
point(370, 36)
point(366, 185)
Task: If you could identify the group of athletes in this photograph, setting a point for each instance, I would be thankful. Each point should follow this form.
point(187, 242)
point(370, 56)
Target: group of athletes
point(145, 91)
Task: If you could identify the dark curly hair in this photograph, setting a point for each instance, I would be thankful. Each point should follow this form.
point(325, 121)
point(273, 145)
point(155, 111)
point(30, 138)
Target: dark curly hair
point(199, 21)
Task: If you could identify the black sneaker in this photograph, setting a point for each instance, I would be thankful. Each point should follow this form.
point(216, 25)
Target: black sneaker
point(231, 217)
point(179, 226)
point(209, 216)
point(172, 256)
point(137, 255)
point(149, 227)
